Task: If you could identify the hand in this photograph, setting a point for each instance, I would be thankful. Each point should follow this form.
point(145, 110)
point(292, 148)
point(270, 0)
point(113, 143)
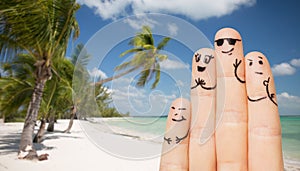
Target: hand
point(237, 63)
point(228, 131)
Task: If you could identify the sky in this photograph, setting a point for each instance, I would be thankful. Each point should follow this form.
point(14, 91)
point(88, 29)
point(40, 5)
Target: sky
point(269, 26)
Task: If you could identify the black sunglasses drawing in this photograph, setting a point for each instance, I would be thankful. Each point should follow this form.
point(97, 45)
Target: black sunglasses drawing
point(229, 40)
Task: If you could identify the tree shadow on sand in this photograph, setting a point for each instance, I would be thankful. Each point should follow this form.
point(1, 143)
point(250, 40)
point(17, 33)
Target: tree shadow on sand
point(9, 143)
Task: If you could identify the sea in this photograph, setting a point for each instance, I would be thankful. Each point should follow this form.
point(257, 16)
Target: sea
point(149, 128)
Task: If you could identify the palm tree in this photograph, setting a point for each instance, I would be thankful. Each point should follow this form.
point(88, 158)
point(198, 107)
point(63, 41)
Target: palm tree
point(147, 58)
point(80, 78)
point(41, 29)
point(16, 86)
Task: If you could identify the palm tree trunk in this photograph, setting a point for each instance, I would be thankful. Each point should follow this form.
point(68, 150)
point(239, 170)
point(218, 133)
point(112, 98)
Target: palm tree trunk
point(117, 76)
point(31, 116)
point(73, 113)
point(43, 73)
point(39, 136)
point(50, 127)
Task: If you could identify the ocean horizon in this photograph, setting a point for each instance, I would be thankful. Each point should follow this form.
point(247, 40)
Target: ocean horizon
point(152, 128)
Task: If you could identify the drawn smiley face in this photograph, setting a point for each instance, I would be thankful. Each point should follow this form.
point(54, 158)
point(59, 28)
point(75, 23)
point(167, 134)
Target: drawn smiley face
point(259, 76)
point(178, 114)
point(203, 69)
point(257, 63)
point(227, 40)
point(206, 58)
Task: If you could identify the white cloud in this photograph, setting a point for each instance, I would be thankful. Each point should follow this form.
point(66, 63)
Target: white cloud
point(96, 73)
point(107, 9)
point(286, 96)
point(283, 69)
point(288, 104)
point(140, 21)
point(173, 29)
point(295, 62)
point(195, 9)
point(172, 64)
point(138, 101)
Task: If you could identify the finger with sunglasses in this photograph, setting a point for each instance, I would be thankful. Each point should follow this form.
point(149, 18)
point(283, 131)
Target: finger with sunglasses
point(231, 107)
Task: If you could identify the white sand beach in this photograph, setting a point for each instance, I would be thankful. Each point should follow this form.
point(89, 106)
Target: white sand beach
point(75, 151)
point(72, 151)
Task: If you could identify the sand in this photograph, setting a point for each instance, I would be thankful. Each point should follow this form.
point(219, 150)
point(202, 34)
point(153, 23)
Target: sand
point(72, 151)
point(79, 151)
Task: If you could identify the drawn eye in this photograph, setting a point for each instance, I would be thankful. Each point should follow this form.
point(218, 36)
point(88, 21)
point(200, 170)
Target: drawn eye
point(208, 58)
point(260, 62)
point(173, 107)
point(197, 57)
point(250, 63)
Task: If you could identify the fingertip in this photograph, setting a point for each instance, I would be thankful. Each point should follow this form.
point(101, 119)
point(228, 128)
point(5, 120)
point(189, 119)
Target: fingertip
point(258, 74)
point(229, 49)
point(179, 117)
point(204, 70)
point(227, 32)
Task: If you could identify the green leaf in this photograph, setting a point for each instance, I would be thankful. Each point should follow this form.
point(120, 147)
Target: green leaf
point(131, 51)
point(157, 76)
point(163, 43)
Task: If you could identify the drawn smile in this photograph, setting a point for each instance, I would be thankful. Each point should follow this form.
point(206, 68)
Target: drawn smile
point(201, 69)
point(229, 52)
point(256, 100)
point(260, 73)
point(179, 120)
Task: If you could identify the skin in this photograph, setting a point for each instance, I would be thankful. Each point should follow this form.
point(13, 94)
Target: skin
point(176, 140)
point(231, 110)
point(202, 154)
point(264, 129)
point(247, 125)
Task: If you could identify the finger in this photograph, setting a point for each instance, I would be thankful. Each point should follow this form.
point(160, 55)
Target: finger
point(264, 130)
point(202, 155)
point(176, 140)
point(231, 114)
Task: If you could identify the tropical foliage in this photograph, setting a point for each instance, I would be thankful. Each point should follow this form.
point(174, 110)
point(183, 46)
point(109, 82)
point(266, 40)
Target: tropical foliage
point(34, 36)
point(146, 58)
point(40, 29)
point(17, 85)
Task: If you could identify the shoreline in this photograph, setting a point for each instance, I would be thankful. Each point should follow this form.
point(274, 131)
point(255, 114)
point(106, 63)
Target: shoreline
point(80, 149)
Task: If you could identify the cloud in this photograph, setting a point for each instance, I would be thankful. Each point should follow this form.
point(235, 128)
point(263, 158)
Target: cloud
point(138, 101)
point(173, 29)
point(140, 21)
point(194, 9)
point(172, 64)
point(283, 69)
point(288, 104)
point(295, 62)
point(96, 73)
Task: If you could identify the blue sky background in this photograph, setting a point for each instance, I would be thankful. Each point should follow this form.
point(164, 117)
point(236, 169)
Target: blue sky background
point(269, 26)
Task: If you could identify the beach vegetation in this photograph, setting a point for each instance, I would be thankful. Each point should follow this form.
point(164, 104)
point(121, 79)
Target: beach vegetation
point(146, 59)
point(42, 30)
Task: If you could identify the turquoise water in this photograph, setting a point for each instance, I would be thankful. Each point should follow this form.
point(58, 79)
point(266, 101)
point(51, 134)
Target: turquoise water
point(291, 136)
point(156, 126)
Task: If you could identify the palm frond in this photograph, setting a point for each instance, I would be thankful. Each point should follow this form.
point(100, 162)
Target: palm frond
point(157, 76)
point(124, 65)
point(163, 43)
point(161, 57)
point(39, 27)
point(143, 78)
point(131, 51)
